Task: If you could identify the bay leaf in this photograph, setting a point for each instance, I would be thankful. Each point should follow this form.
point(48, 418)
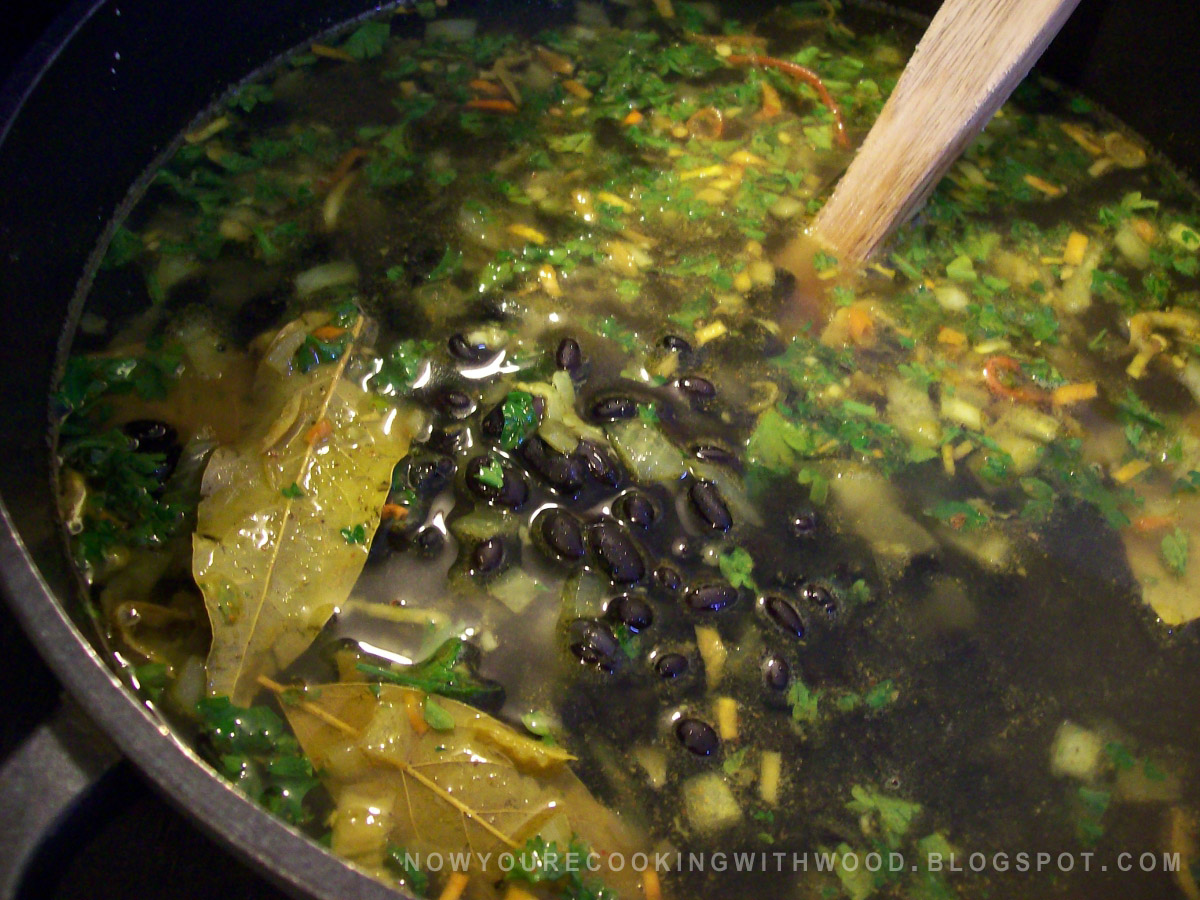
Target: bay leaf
point(280, 528)
point(479, 788)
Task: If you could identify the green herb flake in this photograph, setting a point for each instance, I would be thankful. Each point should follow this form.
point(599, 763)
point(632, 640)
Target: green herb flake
point(1174, 550)
point(436, 716)
point(737, 565)
point(354, 534)
point(520, 421)
point(293, 491)
point(368, 40)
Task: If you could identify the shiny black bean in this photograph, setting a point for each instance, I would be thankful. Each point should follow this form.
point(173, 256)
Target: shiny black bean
point(568, 357)
point(610, 409)
point(512, 493)
point(456, 404)
point(784, 615)
point(488, 556)
point(632, 612)
point(429, 541)
point(668, 579)
point(709, 504)
point(463, 349)
point(616, 552)
point(696, 387)
point(671, 665)
point(776, 673)
point(697, 736)
point(676, 344)
point(819, 597)
point(493, 422)
point(719, 455)
point(566, 473)
point(803, 524)
point(594, 643)
point(600, 463)
point(453, 439)
point(636, 509)
point(711, 597)
point(562, 533)
point(430, 476)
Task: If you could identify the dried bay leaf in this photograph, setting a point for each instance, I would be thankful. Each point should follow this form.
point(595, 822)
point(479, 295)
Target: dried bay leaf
point(271, 560)
point(480, 787)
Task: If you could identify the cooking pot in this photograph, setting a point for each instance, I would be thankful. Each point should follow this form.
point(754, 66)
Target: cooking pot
point(87, 113)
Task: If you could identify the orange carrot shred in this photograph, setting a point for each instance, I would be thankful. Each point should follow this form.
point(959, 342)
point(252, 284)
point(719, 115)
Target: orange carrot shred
point(331, 52)
point(482, 86)
point(393, 511)
point(1148, 523)
point(318, 433)
point(328, 332)
point(809, 77)
point(416, 716)
point(346, 164)
point(633, 117)
point(506, 107)
point(992, 368)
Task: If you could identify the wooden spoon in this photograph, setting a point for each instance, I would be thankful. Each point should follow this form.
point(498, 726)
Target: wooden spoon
point(973, 55)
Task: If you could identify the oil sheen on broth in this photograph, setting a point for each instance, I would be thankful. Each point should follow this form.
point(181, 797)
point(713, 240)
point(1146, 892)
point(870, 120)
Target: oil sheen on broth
point(440, 370)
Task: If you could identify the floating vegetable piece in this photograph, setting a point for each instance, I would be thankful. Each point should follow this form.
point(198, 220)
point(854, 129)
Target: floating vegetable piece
point(273, 566)
point(475, 786)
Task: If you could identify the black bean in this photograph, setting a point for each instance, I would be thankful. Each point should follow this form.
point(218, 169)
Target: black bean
point(568, 357)
point(456, 404)
point(819, 597)
point(488, 556)
point(636, 509)
point(684, 548)
point(711, 597)
point(668, 579)
point(698, 737)
point(719, 455)
point(707, 500)
point(671, 665)
point(696, 387)
point(784, 615)
point(397, 537)
point(616, 552)
point(566, 473)
point(676, 344)
point(776, 673)
point(429, 541)
point(431, 475)
point(803, 524)
point(512, 493)
point(610, 409)
point(594, 643)
point(493, 422)
point(632, 612)
point(453, 439)
point(463, 349)
point(562, 533)
point(600, 463)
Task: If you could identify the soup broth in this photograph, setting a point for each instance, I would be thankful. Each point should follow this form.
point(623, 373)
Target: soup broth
point(444, 452)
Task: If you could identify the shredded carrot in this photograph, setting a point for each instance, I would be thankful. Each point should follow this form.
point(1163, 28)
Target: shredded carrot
point(1148, 523)
point(482, 86)
point(1041, 184)
point(995, 365)
point(318, 433)
point(345, 165)
point(416, 716)
point(516, 892)
point(1144, 229)
point(328, 332)
point(951, 336)
point(651, 885)
point(455, 885)
point(576, 89)
point(393, 511)
point(707, 123)
point(1069, 394)
point(1130, 471)
point(494, 105)
point(633, 117)
point(809, 77)
point(771, 104)
point(331, 53)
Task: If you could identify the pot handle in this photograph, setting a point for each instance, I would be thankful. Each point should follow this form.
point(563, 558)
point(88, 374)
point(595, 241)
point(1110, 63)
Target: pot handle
point(42, 781)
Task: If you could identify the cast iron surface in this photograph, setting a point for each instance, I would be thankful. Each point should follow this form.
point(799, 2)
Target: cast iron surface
point(120, 80)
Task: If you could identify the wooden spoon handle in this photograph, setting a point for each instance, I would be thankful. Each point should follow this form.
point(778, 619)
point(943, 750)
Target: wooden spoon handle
point(973, 56)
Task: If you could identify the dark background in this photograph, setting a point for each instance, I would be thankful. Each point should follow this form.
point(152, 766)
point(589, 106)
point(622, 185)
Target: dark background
point(126, 842)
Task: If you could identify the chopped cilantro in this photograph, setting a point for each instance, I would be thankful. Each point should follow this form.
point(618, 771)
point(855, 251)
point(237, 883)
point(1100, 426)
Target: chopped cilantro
point(737, 565)
point(354, 534)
